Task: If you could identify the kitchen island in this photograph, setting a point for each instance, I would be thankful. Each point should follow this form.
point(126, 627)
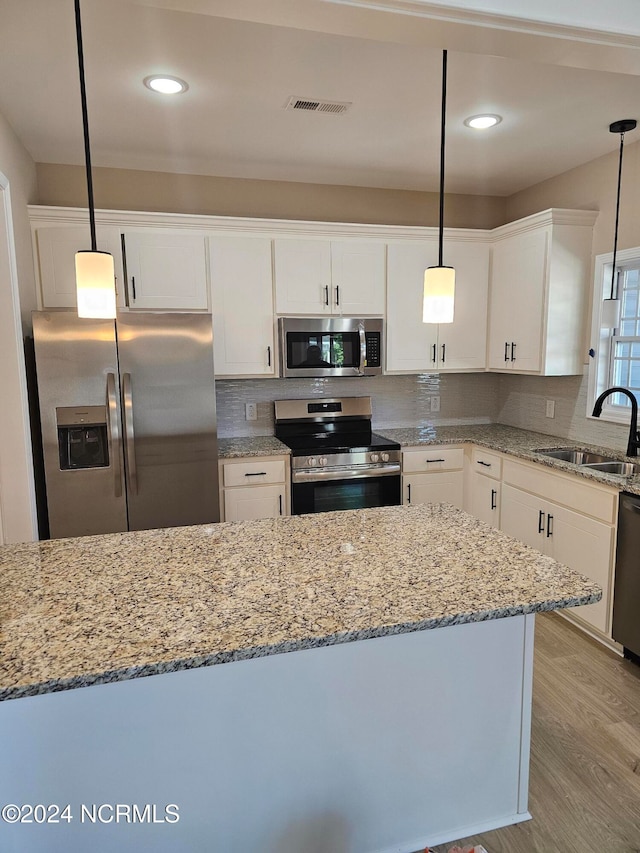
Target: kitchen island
point(340, 721)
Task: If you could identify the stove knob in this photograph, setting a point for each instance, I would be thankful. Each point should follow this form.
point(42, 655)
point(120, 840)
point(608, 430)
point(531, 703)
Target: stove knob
point(374, 457)
point(384, 457)
point(323, 460)
point(311, 461)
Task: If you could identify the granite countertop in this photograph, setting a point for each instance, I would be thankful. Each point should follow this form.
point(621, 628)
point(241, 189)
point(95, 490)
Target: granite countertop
point(516, 442)
point(98, 609)
point(260, 445)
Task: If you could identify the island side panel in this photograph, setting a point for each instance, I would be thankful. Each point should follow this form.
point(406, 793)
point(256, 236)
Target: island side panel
point(374, 746)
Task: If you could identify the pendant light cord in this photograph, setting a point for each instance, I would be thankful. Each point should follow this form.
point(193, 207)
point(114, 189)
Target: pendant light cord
point(442, 130)
point(615, 233)
point(85, 127)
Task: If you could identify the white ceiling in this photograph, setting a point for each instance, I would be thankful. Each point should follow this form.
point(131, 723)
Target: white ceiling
point(241, 73)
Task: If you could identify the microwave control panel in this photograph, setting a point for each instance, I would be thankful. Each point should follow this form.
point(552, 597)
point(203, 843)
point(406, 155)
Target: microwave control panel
point(373, 349)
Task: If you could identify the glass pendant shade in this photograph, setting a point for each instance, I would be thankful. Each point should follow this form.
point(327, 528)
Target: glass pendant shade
point(439, 294)
point(610, 314)
point(95, 285)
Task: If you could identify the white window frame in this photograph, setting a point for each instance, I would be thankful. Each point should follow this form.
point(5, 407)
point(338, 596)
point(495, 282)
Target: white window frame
point(602, 339)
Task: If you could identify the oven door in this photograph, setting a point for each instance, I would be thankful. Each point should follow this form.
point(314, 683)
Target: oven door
point(349, 493)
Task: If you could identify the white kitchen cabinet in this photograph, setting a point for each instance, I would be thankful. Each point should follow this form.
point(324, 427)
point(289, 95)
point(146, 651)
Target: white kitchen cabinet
point(254, 487)
point(333, 277)
point(485, 486)
point(579, 534)
point(242, 306)
point(433, 474)
point(540, 268)
point(55, 249)
point(413, 345)
point(165, 270)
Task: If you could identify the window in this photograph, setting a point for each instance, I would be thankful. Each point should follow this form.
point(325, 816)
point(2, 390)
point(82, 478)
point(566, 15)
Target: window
point(617, 357)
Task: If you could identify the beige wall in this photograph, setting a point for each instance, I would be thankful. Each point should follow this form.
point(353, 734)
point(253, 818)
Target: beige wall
point(127, 189)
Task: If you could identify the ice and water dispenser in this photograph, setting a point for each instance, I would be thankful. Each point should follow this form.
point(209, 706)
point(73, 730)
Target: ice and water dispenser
point(82, 437)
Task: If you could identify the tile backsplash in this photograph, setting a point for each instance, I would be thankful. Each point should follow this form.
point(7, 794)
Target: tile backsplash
point(398, 401)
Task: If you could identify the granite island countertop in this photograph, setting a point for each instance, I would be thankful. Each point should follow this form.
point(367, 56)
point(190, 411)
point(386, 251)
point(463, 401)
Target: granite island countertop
point(100, 609)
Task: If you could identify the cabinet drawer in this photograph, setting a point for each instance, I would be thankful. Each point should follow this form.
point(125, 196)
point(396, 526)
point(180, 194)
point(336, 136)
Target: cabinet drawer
point(582, 496)
point(432, 459)
point(487, 463)
point(253, 473)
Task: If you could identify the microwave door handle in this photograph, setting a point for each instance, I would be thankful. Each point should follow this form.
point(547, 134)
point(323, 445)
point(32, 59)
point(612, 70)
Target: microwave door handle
point(129, 437)
point(363, 349)
point(113, 432)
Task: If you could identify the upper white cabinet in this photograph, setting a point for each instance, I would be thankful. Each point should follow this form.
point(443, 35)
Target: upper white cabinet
point(413, 345)
point(55, 250)
point(165, 270)
point(339, 277)
point(242, 305)
point(540, 269)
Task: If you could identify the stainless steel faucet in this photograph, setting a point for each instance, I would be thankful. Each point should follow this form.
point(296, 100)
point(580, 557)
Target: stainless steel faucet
point(634, 439)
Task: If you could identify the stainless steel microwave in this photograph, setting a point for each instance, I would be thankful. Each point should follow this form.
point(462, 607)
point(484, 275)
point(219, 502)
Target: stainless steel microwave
point(330, 346)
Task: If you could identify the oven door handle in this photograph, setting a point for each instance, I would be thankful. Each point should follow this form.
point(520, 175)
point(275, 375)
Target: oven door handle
point(363, 349)
point(309, 476)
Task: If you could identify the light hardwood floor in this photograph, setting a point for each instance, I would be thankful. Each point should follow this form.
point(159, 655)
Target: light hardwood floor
point(584, 791)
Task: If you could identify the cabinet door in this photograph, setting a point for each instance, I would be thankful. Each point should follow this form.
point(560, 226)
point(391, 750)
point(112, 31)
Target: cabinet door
point(242, 305)
point(411, 344)
point(462, 345)
point(248, 504)
point(442, 487)
point(523, 516)
point(518, 273)
point(57, 247)
point(586, 546)
point(357, 278)
point(166, 270)
point(303, 276)
point(485, 499)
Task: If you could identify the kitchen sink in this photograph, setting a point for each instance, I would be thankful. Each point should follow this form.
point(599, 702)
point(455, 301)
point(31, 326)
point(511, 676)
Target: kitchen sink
point(577, 457)
point(624, 469)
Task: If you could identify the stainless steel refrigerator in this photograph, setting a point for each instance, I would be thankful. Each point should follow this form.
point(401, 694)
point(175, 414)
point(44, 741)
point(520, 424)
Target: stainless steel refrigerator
point(128, 421)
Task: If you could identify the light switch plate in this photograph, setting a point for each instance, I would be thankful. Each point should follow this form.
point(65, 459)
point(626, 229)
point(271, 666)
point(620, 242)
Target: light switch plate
point(435, 404)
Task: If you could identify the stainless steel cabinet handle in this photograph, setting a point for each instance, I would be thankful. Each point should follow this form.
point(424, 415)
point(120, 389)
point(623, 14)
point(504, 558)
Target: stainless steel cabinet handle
point(268, 356)
point(486, 464)
point(337, 294)
point(408, 493)
point(541, 522)
point(113, 428)
point(506, 351)
point(443, 349)
point(326, 294)
point(494, 495)
point(549, 526)
point(513, 352)
point(129, 436)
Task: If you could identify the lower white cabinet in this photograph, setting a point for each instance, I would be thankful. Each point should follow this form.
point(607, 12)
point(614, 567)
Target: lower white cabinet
point(254, 487)
point(433, 475)
point(569, 533)
point(485, 499)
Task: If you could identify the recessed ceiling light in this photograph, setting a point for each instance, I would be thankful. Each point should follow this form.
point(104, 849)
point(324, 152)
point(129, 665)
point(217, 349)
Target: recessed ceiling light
point(166, 85)
point(482, 122)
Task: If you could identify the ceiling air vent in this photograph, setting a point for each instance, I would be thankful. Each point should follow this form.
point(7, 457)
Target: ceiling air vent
point(314, 105)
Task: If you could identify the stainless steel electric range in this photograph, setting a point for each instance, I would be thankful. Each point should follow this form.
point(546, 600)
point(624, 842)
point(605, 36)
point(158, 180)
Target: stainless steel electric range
point(336, 461)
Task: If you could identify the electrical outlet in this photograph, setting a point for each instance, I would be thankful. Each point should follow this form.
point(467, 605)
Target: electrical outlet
point(551, 409)
point(251, 411)
point(435, 404)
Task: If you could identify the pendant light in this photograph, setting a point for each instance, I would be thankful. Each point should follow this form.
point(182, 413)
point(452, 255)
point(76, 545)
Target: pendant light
point(95, 278)
point(440, 281)
point(611, 305)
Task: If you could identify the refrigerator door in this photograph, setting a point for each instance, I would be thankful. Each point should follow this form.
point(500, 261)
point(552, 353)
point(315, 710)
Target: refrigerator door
point(78, 390)
point(168, 419)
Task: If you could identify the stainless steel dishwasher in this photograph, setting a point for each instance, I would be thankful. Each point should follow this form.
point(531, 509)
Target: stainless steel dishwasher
point(626, 595)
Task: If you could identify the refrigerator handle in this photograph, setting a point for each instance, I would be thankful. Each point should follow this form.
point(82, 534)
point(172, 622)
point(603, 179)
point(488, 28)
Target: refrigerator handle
point(129, 437)
point(113, 429)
